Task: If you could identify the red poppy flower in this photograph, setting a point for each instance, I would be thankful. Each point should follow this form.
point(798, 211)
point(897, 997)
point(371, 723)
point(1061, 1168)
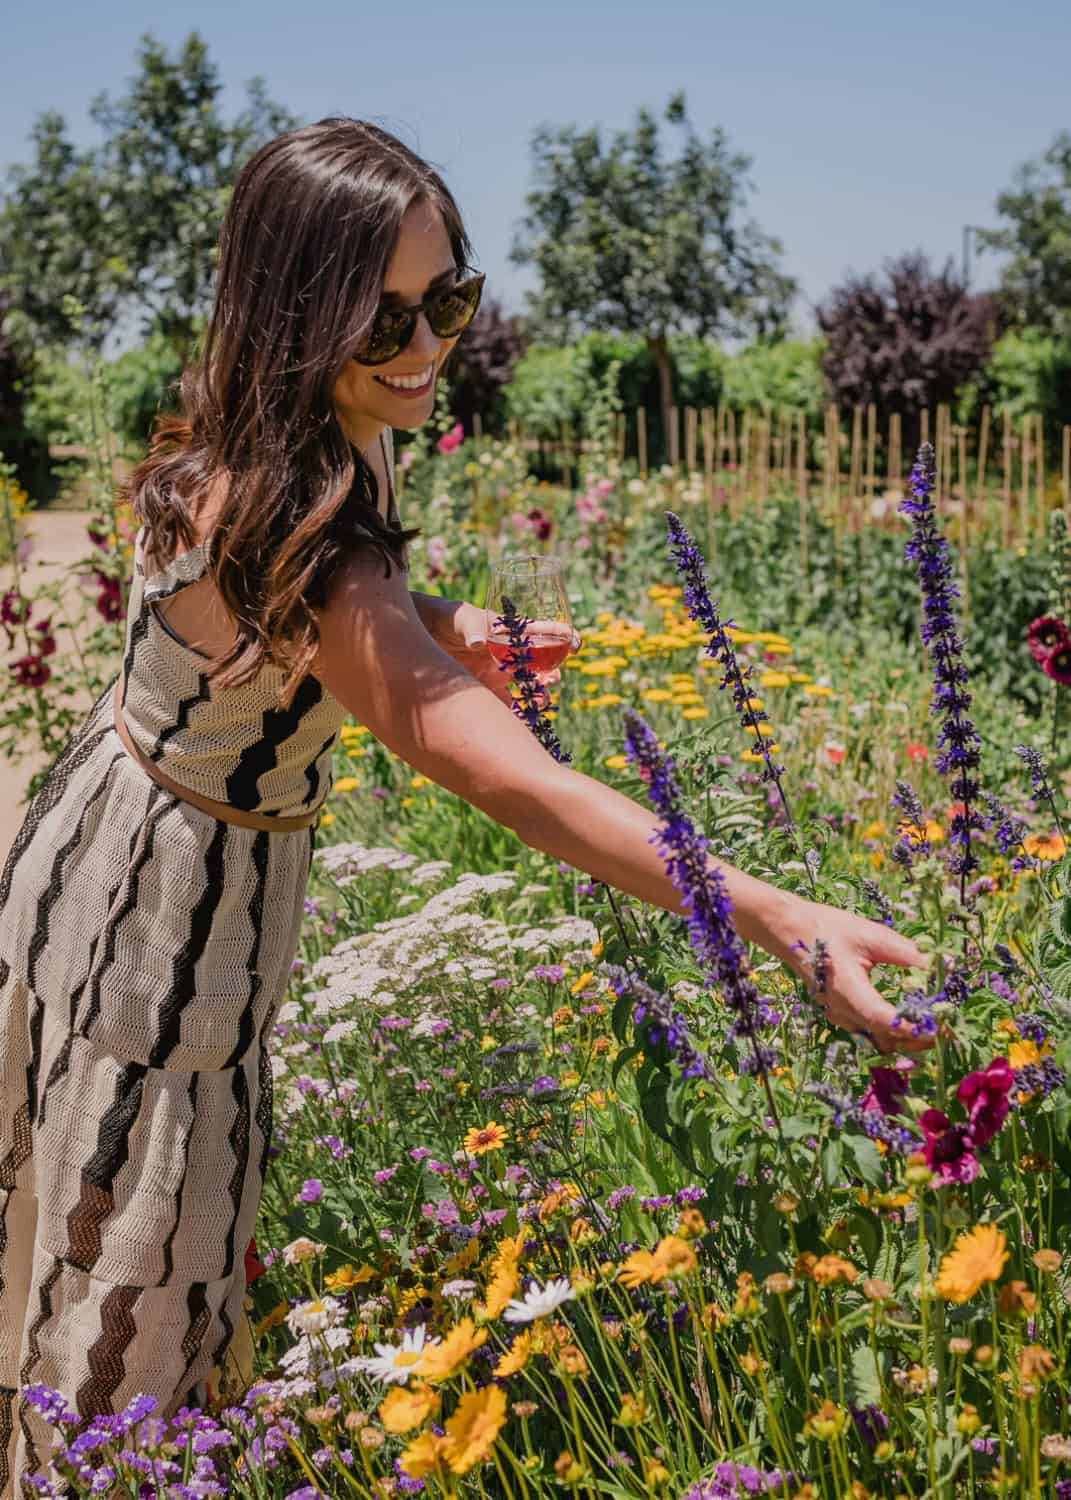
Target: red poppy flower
point(1044, 635)
point(916, 751)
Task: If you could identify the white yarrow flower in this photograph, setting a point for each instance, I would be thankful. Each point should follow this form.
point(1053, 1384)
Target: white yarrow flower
point(539, 1302)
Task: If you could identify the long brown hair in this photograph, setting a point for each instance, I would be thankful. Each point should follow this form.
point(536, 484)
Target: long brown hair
point(309, 231)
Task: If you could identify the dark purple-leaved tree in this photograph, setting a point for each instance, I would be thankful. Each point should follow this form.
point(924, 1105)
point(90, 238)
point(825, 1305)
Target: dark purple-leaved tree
point(483, 363)
point(905, 341)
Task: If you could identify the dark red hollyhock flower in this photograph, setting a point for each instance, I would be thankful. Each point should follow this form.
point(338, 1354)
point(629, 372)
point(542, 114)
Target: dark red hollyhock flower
point(31, 671)
point(1044, 635)
point(542, 525)
point(14, 608)
point(253, 1267)
point(98, 538)
point(887, 1090)
point(47, 644)
point(1057, 664)
point(985, 1098)
point(108, 601)
point(949, 1149)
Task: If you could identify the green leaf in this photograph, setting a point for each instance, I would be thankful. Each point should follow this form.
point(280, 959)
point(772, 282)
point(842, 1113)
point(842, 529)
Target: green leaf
point(832, 1161)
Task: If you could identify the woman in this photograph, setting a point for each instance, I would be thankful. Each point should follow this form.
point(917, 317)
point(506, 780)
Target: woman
point(152, 901)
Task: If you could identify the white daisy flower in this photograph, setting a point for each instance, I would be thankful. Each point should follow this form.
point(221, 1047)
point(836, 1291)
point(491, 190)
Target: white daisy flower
point(314, 1317)
point(393, 1364)
point(539, 1302)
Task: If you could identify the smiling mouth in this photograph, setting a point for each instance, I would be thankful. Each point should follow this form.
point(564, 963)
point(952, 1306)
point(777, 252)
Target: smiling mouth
point(408, 387)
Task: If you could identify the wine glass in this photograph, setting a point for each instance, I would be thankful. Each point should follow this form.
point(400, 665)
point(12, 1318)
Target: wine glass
point(536, 585)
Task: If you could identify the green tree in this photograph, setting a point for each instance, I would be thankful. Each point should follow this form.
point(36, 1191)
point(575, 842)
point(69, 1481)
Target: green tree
point(131, 225)
point(1037, 237)
point(628, 241)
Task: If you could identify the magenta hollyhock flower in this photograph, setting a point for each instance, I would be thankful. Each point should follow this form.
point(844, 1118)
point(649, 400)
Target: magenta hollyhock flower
point(949, 1150)
point(887, 1089)
point(1057, 664)
point(452, 439)
point(1044, 634)
point(31, 671)
point(984, 1095)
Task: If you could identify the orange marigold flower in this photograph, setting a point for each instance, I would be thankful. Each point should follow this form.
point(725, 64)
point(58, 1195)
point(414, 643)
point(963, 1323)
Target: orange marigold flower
point(978, 1256)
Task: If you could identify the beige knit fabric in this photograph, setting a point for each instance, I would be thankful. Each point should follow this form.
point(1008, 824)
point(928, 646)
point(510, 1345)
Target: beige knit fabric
point(144, 950)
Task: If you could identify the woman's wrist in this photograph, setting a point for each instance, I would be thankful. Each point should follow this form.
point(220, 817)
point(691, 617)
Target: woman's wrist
point(763, 913)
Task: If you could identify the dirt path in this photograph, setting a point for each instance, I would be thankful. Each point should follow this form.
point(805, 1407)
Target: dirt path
point(59, 540)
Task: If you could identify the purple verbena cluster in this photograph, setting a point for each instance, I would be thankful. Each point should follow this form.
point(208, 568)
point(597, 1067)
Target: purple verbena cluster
point(958, 743)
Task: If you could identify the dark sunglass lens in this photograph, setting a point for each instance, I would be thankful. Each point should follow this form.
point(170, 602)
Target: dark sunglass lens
point(454, 309)
point(390, 332)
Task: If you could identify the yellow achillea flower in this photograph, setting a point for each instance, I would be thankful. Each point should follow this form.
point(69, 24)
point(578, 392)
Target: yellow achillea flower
point(471, 1431)
point(977, 1256)
point(490, 1137)
point(818, 690)
point(756, 757)
point(693, 713)
point(405, 1409)
point(425, 1455)
point(347, 783)
point(774, 679)
point(517, 1356)
point(440, 1361)
point(657, 695)
point(616, 762)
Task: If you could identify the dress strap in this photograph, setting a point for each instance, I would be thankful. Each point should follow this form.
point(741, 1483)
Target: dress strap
point(182, 570)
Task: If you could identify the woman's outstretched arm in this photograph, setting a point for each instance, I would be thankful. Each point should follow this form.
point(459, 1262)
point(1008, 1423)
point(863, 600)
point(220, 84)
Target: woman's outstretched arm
point(378, 659)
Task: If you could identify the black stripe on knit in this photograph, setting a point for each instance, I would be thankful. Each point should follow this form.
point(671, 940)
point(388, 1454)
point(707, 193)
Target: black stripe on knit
point(181, 720)
point(80, 749)
point(238, 1140)
point(54, 889)
point(276, 726)
point(169, 1263)
point(142, 840)
point(183, 985)
point(261, 854)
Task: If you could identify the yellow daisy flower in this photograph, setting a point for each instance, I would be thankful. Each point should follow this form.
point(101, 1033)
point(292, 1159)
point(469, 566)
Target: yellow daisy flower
point(489, 1137)
point(471, 1431)
point(405, 1409)
point(442, 1360)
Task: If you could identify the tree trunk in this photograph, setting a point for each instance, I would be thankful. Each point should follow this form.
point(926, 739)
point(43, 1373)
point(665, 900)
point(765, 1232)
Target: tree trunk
point(658, 346)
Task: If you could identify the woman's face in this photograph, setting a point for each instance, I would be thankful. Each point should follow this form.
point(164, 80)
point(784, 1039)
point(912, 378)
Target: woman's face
point(363, 398)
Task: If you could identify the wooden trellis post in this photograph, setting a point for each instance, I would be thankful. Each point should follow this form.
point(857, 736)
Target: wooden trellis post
point(1024, 483)
point(1039, 460)
point(1006, 488)
point(893, 467)
point(689, 440)
point(641, 440)
point(674, 440)
point(801, 487)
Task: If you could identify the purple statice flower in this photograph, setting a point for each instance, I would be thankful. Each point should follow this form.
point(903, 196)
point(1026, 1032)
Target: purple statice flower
point(531, 705)
point(542, 1087)
point(615, 1199)
point(552, 973)
point(704, 895)
point(879, 901)
point(311, 1190)
point(732, 1481)
point(690, 1195)
point(661, 1023)
point(958, 743)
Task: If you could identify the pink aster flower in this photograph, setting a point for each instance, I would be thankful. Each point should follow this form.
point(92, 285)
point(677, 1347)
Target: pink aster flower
point(984, 1095)
point(949, 1150)
point(452, 439)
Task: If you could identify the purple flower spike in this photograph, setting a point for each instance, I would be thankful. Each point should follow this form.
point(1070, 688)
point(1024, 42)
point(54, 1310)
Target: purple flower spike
point(531, 705)
point(958, 743)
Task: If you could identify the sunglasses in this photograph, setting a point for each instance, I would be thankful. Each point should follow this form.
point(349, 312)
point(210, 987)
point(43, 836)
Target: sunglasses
point(448, 311)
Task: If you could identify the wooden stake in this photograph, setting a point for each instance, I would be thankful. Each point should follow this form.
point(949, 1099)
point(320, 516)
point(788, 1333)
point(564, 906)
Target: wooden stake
point(708, 475)
point(1039, 452)
point(745, 457)
point(924, 427)
point(730, 448)
point(855, 476)
point(983, 455)
point(894, 466)
point(1024, 483)
point(801, 487)
point(689, 440)
point(477, 426)
point(1006, 491)
point(674, 440)
point(641, 440)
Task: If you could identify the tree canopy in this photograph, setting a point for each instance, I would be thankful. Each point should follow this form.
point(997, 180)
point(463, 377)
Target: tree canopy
point(130, 225)
point(628, 240)
point(1037, 237)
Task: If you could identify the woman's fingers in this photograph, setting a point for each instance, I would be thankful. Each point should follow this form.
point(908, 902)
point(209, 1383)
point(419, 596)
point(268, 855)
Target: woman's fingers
point(857, 1006)
point(884, 946)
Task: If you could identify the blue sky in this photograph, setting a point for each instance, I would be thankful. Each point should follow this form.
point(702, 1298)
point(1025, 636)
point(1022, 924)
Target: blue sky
point(872, 128)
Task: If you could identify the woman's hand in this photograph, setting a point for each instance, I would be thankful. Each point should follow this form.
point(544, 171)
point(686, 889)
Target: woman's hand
point(853, 946)
point(461, 630)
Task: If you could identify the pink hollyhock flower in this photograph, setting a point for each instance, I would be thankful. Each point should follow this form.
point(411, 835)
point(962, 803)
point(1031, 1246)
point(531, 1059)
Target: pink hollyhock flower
point(519, 521)
point(1044, 635)
point(985, 1098)
point(407, 457)
point(452, 439)
point(589, 509)
point(887, 1089)
point(604, 488)
point(436, 556)
point(25, 549)
point(949, 1150)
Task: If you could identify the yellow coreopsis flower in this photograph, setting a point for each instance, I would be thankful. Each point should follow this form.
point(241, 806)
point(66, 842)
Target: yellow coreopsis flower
point(502, 1287)
point(517, 1357)
point(471, 1431)
point(675, 1256)
point(978, 1256)
point(440, 1361)
point(405, 1409)
point(640, 1266)
point(425, 1455)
